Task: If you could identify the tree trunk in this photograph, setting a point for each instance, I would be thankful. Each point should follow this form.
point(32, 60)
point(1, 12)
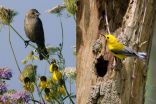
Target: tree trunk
point(98, 81)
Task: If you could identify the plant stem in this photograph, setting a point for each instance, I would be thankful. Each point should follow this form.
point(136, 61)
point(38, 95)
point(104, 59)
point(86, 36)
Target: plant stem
point(36, 101)
point(32, 97)
point(39, 93)
point(61, 32)
point(68, 94)
point(61, 58)
point(107, 24)
point(13, 51)
point(70, 84)
point(57, 100)
point(17, 32)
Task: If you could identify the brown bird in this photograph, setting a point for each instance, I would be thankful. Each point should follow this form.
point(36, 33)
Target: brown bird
point(34, 31)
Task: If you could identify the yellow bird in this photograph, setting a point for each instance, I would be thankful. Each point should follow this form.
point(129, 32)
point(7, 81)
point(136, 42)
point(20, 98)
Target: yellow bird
point(121, 51)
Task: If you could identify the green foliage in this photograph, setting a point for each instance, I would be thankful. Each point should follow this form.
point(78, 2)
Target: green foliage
point(30, 57)
point(29, 71)
point(71, 6)
point(52, 50)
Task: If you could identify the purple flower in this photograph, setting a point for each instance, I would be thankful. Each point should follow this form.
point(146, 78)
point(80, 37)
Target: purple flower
point(21, 96)
point(5, 73)
point(3, 87)
point(4, 98)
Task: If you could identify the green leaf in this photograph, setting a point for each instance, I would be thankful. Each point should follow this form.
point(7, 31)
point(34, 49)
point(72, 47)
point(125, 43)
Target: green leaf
point(36, 58)
point(24, 61)
point(53, 50)
point(71, 6)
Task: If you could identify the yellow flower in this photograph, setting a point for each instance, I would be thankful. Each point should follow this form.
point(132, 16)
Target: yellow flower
point(47, 98)
point(62, 90)
point(29, 87)
point(48, 94)
point(43, 82)
point(56, 75)
point(53, 66)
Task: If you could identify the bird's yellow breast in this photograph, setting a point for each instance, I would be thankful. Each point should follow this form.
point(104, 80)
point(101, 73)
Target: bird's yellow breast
point(116, 46)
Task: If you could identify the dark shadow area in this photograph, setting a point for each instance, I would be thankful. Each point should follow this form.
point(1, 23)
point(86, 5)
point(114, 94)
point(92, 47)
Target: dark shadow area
point(101, 66)
point(116, 10)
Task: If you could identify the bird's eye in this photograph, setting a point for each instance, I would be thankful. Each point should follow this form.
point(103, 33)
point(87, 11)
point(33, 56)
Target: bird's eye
point(107, 37)
point(33, 13)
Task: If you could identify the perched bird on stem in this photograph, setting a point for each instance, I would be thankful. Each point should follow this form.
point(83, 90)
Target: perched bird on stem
point(34, 31)
point(121, 51)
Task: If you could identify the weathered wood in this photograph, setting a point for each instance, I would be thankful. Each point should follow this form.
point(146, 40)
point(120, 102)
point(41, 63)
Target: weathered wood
point(132, 22)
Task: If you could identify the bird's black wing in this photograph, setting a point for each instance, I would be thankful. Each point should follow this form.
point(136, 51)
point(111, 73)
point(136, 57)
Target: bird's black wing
point(126, 51)
point(39, 32)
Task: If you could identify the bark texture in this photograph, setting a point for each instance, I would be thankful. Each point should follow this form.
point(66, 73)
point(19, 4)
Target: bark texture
point(98, 82)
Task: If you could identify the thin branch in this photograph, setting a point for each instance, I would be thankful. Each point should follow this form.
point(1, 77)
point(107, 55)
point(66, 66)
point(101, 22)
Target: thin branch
point(32, 97)
point(70, 85)
point(61, 58)
point(17, 32)
point(13, 51)
point(39, 93)
point(107, 24)
point(57, 100)
point(61, 32)
point(35, 101)
point(21, 36)
point(68, 94)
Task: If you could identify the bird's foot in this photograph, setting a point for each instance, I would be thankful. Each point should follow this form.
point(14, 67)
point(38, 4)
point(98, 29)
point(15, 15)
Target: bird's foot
point(26, 43)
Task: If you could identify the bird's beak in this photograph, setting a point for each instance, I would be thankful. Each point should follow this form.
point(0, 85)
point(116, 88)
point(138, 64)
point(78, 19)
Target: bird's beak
point(104, 36)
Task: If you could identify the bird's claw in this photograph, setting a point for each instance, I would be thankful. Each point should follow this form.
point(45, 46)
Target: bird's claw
point(26, 43)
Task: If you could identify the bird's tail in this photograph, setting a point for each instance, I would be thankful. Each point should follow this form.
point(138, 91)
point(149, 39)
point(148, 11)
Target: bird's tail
point(142, 55)
point(43, 53)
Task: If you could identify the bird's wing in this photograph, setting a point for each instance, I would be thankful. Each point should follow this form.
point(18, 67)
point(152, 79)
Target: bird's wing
point(34, 30)
point(39, 32)
point(126, 51)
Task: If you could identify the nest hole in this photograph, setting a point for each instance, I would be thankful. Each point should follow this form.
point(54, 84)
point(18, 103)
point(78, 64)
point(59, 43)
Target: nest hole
point(101, 66)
